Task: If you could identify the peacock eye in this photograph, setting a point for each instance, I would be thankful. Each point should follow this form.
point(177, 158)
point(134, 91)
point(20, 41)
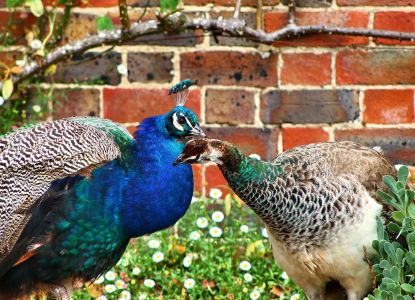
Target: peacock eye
point(181, 119)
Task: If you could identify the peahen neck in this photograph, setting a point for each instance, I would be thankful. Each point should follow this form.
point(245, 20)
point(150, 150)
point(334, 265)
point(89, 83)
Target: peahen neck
point(158, 193)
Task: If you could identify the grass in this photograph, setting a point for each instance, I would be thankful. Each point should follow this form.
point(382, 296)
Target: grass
point(202, 257)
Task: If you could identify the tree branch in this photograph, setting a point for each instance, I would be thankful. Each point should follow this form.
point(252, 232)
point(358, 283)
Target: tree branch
point(233, 27)
point(125, 20)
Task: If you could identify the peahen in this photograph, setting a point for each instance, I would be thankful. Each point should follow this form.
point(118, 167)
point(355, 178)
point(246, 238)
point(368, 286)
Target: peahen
point(74, 191)
point(318, 203)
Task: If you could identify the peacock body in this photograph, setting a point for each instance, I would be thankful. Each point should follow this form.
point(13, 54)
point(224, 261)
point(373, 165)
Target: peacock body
point(318, 203)
point(77, 190)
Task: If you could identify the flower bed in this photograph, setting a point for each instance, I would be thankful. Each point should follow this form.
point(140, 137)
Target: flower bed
point(218, 250)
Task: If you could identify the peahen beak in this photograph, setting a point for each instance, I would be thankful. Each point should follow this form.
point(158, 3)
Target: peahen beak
point(179, 160)
point(197, 130)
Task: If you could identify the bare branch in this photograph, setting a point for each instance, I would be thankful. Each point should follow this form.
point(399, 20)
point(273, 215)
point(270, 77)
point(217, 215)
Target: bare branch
point(237, 9)
point(291, 12)
point(259, 15)
point(234, 27)
point(125, 20)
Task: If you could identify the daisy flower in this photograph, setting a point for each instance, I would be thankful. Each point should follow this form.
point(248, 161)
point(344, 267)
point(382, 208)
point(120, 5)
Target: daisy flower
point(189, 283)
point(218, 216)
point(120, 284)
point(248, 277)
point(99, 280)
point(295, 297)
point(245, 265)
point(158, 256)
point(153, 244)
point(215, 193)
point(255, 294)
point(110, 288)
point(202, 222)
point(215, 231)
point(36, 44)
point(125, 295)
point(149, 283)
point(194, 235)
point(244, 228)
point(1, 100)
point(187, 261)
point(110, 275)
point(136, 271)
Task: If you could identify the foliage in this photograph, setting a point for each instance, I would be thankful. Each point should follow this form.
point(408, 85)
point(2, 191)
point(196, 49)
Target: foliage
point(104, 23)
point(394, 264)
point(218, 265)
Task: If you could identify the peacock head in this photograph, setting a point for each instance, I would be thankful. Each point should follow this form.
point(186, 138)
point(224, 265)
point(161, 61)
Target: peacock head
point(199, 151)
point(182, 122)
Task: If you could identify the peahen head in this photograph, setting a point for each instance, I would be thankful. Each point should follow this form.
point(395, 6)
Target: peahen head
point(181, 122)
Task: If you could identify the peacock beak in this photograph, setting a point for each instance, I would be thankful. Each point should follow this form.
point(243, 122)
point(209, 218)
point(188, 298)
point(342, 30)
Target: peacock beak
point(197, 130)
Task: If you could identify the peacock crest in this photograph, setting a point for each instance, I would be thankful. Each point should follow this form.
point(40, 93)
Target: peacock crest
point(181, 92)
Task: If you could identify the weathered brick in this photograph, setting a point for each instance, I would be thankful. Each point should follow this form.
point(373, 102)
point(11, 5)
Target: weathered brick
point(297, 136)
point(397, 144)
point(224, 40)
point(143, 3)
point(262, 141)
point(79, 26)
point(276, 20)
point(311, 3)
point(75, 102)
point(19, 24)
point(376, 2)
point(306, 68)
point(230, 68)
point(134, 105)
point(389, 106)
point(85, 68)
point(150, 67)
point(395, 21)
point(309, 106)
point(229, 2)
point(86, 3)
point(214, 179)
point(229, 106)
point(198, 171)
point(393, 66)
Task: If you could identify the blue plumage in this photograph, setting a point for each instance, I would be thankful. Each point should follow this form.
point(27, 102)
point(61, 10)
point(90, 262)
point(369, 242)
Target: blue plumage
point(82, 224)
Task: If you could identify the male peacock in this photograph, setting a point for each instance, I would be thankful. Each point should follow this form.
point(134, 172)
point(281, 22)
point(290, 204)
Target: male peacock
point(73, 192)
point(318, 203)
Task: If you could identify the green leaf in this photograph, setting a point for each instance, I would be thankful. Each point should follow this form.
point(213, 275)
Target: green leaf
point(13, 3)
point(393, 227)
point(7, 88)
point(380, 228)
point(403, 173)
point(395, 274)
point(36, 7)
point(168, 5)
point(408, 288)
point(390, 182)
point(410, 238)
point(405, 226)
point(104, 23)
point(388, 199)
point(398, 216)
point(411, 210)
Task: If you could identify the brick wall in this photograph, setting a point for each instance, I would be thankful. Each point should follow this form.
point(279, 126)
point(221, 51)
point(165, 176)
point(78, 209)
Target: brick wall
point(264, 98)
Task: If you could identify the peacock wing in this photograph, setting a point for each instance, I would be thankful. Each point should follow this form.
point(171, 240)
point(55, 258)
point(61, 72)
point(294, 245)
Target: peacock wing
point(33, 157)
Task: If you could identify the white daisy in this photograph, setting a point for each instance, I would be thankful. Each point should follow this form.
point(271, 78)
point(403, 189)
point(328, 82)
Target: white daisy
point(187, 261)
point(110, 288)
point(110, 275)
point(189, 283)
point(153, 244)
point(244, 228)
point(102, 297)
point(284, 276)
point(158, 256)
point(120, 284)
point(194, 235)
point(218, 216)
point(136, 271)
point(99, 280)
point(215, 193)
point(248, 277)
point(255, 156)
point(202, 222)
point(122, 69)
point(149, 283)
point(1, 100)
point(142, 296)
point(255, 294)
point(36, 44)
point(215, 231)
point(36, 108)
point(264, 232)
point(245, 265)
point(297, 297)
point(125, 295)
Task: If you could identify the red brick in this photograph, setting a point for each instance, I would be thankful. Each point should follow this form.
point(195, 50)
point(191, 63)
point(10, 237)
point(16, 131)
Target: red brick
point(310, 3)
point(214, 179)
point(198, 171)
point(306, 68)
point(150, 67)
point(230, 68)
point(229, 2)
point(229, 106)
point(21, 22)
point(9, 57)
point(376, 2)
point(309, 106)
point(76, 102)
point(389, 106)
point(87, 3)
point(276, 20)
point(134, 105)
point(395, 21)
point(262, 141)
point(297, 136)
point(397, 144)
point(394, 66)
